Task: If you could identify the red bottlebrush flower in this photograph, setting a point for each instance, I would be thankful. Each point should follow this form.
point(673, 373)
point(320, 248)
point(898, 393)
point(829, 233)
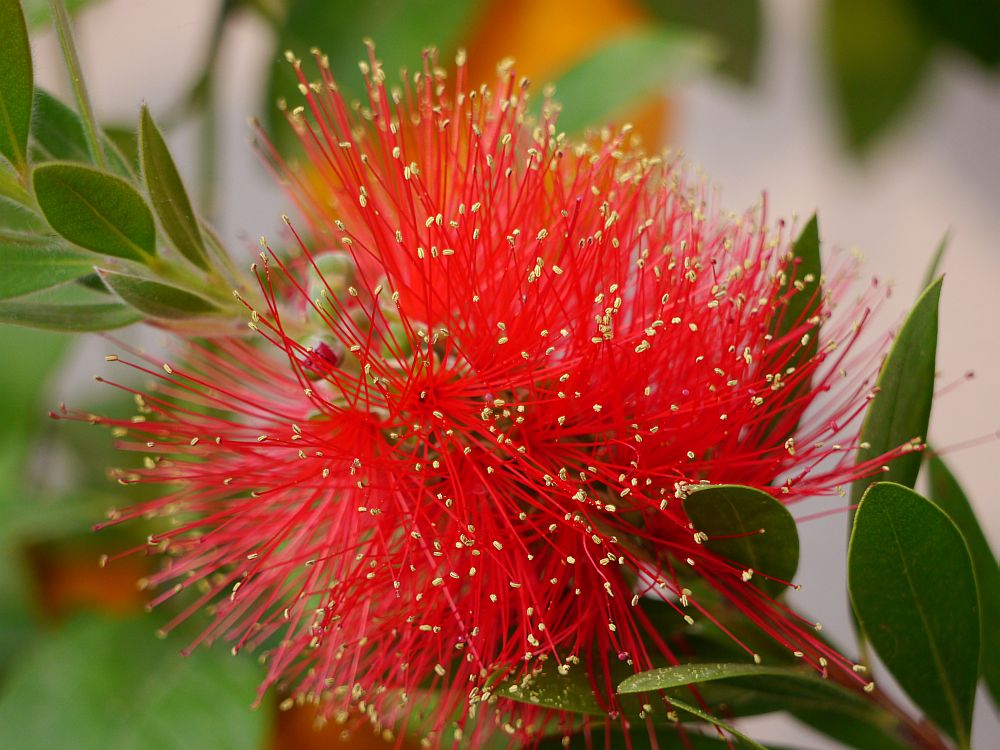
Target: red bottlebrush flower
point(497, 367)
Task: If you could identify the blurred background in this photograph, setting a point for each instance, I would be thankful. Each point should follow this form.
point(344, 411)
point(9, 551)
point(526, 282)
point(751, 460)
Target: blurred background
point(882, 114)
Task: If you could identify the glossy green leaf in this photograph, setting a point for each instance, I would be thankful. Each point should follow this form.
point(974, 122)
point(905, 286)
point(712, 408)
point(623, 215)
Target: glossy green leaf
point(971, 25)
point(877, 56)
point(948, 495)
point(170, 200)
point(736, 24)
point(901, 409)
point(96, 210)
point(750, 528)
point(31, 263)
point(156, 299)
point(116, 687)
point(16, 84)
point(401, 29)
point(914, 592)
point(805, 272)
point(625, 70)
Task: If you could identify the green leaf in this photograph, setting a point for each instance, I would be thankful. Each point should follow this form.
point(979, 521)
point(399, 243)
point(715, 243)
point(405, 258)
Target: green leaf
point(157, 299)
point(690, 674)
point(971, 25)
point(16, 84)
point(33, 263)
point(805, 271)
point(750, 528)
point(167, 191)
point(38, 14)
point(638, 739)
point(737, 24)
point(68, 307)
point(933, 268)
point(694, 711)
point(79, 318)
point(401, 30)
point(96, 210)
point(15, 216)
point(914, 592)
point(863, 735)
point(628, 68)
point(877, 55)
point(948, 495)
point(58, 134)
point(901, 408)
point(118, 688)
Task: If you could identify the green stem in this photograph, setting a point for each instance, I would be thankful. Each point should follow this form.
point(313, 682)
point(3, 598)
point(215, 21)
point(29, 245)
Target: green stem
point(63, 28)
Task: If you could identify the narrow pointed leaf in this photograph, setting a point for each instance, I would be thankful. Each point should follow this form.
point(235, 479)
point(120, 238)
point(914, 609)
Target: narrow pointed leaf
point(934, 267)
point(638, 739)
point(862, 735)
point(948, 495)
point(16, 84)
point(913, 590)
point(167, 192)
point(33, 263)
point(54, 317)
point(694, 711)
point(901, 409)
point(792, 326)
point(750, 528)
point(96, 210)
point(57, 134)
point(156, 299)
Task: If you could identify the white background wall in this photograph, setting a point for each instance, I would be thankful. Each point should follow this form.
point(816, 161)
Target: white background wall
point(940, 170)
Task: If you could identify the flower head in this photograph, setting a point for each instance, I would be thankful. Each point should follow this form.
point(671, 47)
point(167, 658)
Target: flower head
point(498, 365)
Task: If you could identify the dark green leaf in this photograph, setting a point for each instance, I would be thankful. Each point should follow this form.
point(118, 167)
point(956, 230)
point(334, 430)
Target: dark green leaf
point(947, 494)
point(737, 24)
point(901, 409)
point(750, 528)
point(96, 210)
point(401, 30)
point(695, 711)
point(33, 263)
point(628, 68)
point(638, 739)
point(16, 84)
point(971, 25)
point(791, 326)
point(863, 735)
point(118, 688)
point(167, 191)
point(156, 299)
point(914, 592)
point(877, 55)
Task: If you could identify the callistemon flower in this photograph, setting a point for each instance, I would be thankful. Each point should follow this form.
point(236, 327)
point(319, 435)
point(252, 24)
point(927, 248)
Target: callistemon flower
point(483, 386)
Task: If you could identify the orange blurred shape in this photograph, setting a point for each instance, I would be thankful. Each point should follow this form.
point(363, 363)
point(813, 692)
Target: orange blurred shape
point(297, 730)
point(546, 37)
point(69, 579)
